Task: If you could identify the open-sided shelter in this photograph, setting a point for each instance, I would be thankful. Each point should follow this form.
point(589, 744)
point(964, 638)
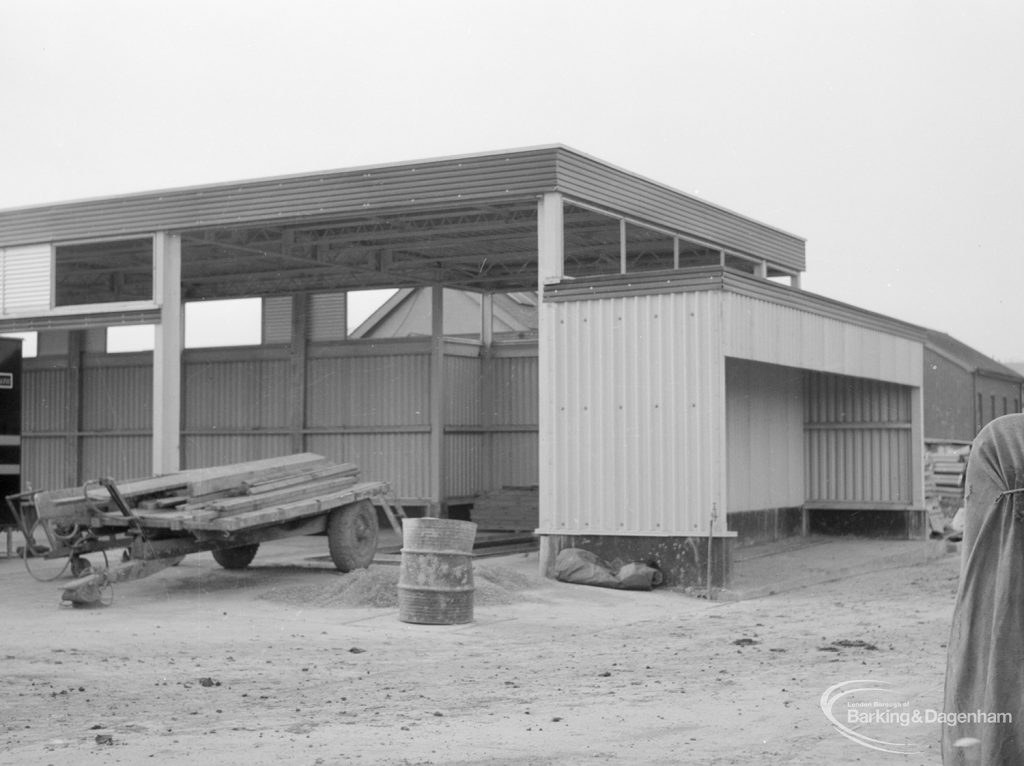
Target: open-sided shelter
point(686, 388)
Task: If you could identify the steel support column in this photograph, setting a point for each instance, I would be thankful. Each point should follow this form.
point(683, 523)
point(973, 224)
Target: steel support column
point(437, 401)
point(167, 354)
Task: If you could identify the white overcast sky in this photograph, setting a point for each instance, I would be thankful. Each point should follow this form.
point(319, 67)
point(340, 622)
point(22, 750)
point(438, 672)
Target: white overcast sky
point(887, 133)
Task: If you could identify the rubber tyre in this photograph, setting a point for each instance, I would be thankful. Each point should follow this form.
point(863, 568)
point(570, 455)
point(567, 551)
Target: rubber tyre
point(352, 536)
point(235, 558)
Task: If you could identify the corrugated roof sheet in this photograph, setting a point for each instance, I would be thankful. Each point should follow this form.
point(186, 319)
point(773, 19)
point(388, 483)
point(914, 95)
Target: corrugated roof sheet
point(967, 357)
point(423, 185)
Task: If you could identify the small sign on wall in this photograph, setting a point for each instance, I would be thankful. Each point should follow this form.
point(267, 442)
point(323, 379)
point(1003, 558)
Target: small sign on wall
point(7, 380)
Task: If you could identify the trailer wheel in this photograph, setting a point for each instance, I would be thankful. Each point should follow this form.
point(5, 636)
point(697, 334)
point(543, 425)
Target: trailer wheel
point(235, 558)
point(352, 535)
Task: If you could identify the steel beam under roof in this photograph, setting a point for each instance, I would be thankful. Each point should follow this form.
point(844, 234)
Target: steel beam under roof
point(466, 222)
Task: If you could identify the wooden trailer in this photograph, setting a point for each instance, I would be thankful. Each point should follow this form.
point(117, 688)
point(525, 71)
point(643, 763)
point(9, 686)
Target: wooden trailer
point(227, 510)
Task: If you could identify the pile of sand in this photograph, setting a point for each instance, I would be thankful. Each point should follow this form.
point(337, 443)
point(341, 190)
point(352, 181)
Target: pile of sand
point(378, 587)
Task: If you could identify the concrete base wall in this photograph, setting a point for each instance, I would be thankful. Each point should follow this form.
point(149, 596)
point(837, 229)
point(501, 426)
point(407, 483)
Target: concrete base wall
point(900, 525)
point(765, 526)
point(683, 560)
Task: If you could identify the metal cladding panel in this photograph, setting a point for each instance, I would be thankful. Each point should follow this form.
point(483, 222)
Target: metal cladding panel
point(116, 456)
point(328, 316)
point(369, 390)
point(276, 320)
point(203, 450)
point(765, 435)
point(43, 462)
point(117, 397)
point(858, 441)
point(589, 180)
point(864, 465)
point(400, 459)
point(25, 279)
point(451, 182)
point(242, 395)
point(770, 332)
point(633, 416)
point(463, 464)
point(514, 460)
point(45, 402)
point(513, 390)
point(462, 390)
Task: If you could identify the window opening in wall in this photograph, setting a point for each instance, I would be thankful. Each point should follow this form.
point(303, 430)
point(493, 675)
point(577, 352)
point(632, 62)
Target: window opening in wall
point(362, 304)
point(208, 324)
point(217, 323)
point(740, 264)
point(1006, 406)
point(126, 339)
point(648, 250)
point(598, 243)
point(592, 243)
point(112, 271)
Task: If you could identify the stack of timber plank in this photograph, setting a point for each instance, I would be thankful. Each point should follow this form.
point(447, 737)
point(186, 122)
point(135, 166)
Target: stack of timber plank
point(945, 471)
point(510, 509)
point(224, 498)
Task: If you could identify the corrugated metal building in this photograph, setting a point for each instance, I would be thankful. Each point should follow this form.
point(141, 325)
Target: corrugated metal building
point(686, 387)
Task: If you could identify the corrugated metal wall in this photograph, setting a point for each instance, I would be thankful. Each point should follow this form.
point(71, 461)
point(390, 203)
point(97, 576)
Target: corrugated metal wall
point(328, 316)
point(633, 412)
point(114, 433)
point(775, 333)
point(858, 441)
point(25, 276)
point(116, 416)
point(765, 435)
point(369, 389)
point(401, 457)
point(463, 441)
point(462, 380)
point(366, 402)
point(44, 453)
point(512, 417)
point(234, 405)
point(858, 419)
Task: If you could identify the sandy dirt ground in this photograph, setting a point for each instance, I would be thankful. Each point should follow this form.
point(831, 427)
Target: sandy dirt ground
point(290, 662)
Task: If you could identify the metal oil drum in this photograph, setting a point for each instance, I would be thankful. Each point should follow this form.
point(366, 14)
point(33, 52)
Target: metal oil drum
point(435, 584)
